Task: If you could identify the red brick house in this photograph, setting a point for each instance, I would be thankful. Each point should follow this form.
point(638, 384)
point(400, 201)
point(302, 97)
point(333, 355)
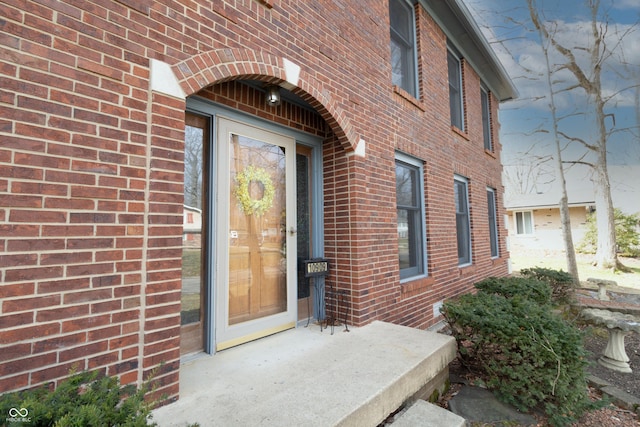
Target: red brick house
point(378, 151)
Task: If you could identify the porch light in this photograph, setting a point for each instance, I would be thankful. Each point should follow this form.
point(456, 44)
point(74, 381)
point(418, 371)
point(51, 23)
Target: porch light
point(273, 96)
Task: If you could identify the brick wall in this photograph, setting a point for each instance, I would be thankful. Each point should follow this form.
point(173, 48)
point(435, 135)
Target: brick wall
point(91, 168)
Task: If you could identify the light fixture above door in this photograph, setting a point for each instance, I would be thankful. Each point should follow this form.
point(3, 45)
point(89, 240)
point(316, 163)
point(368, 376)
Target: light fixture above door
point(273, 96)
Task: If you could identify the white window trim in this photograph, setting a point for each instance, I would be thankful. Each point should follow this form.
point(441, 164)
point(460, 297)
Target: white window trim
point(405, 158)
point(515, 224)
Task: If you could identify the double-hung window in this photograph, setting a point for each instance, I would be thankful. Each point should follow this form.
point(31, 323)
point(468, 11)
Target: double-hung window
point(410, 209)
point(455, 90)
point(524, 223)
point(403, 46)
point(463, 225)
point(493, 222)
point(486, 119)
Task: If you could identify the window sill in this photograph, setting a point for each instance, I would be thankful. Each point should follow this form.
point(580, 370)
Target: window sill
point(460, 132)
point(467, 269)
point(490, 153)
point(415, 287)
point(408, 97)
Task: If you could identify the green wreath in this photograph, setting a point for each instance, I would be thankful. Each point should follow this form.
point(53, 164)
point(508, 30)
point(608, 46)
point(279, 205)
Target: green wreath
point(243, 179)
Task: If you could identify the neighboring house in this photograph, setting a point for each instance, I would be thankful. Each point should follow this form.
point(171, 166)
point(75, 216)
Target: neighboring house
point(362, 132)
point(535, 227)
point(192, 227)
point(534, 219)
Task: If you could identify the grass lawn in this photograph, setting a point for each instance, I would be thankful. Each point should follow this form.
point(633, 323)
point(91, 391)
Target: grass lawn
point(191, 262)
point(585, 269)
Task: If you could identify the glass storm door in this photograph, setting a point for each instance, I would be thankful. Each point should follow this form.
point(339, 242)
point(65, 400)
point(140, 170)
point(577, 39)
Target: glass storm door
point(257, 233)
point(193, 240)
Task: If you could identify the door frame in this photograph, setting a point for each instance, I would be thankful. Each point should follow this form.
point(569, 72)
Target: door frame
point(211, 109)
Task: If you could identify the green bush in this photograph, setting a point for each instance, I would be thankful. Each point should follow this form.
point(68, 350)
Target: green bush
point(561, 282)
point(626, 229)
point(508, 287)
point(84, 399)
point(527, 355)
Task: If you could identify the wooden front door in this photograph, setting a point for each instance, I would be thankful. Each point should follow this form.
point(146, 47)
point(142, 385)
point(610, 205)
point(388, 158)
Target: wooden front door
point(256, 295)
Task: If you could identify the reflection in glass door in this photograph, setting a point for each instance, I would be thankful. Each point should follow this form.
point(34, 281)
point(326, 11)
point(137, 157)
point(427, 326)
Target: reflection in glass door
point(258, 181)
point(194, 241)
point(304, 226)
point(257, 252)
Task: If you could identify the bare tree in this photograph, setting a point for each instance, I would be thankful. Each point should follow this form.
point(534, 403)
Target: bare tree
point(588, 78)
point(193, 167)
point(565, 218)
point(527, 174)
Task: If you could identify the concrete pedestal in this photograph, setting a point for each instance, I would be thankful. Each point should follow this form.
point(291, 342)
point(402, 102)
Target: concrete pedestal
point(615, 357)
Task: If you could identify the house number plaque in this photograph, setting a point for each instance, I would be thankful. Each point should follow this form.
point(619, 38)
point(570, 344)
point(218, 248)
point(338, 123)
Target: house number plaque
point(316, 267)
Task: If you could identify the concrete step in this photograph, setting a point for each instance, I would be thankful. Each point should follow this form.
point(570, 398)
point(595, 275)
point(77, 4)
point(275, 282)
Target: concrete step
point(311, 378)
point(425, 414)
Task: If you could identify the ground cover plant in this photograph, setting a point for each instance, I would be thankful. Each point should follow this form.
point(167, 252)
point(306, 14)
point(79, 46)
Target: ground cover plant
point(509, 335)
point(84, 399)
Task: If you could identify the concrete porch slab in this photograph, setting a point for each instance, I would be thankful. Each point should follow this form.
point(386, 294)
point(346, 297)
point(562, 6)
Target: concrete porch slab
point(307, 377)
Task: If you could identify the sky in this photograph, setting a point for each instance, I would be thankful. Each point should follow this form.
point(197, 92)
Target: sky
point(526, 122)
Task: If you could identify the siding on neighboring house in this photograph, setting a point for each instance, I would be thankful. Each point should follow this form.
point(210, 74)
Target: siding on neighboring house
point(92, 136)
point(546, 238)
point(545, 211)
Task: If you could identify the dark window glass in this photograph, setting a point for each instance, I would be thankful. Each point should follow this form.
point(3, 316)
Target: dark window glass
point(403, 44)
point(410, 220)
point(486, 120)
point(462, 222)
point(455, 91)
point(493, 222)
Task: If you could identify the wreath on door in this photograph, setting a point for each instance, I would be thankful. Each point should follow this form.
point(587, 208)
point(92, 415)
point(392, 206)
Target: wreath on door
point(249, 205)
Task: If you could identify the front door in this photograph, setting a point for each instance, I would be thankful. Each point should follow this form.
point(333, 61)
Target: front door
point(256, 229)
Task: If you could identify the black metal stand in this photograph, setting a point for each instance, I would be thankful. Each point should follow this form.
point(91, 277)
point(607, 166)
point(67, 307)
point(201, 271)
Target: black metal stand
point(337, 303)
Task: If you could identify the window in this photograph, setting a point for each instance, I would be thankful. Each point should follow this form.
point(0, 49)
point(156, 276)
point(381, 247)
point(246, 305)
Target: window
point(463, 226)
point(403, 46)
point(455, 90)
point(486, 119)
point(493, 222)
point(524, 223)
point(409, 200)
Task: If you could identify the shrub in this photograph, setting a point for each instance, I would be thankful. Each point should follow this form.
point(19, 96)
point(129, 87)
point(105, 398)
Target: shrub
point(626, 229)
point(527, 355)
point(508, 287)
point(84, 399)
point(561, 282)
